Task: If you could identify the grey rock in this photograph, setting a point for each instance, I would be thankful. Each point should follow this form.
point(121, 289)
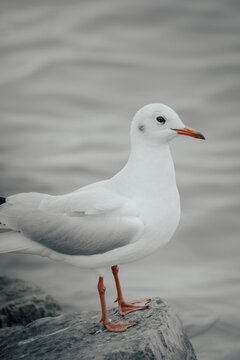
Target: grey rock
point(22, 303)
point(158, 334)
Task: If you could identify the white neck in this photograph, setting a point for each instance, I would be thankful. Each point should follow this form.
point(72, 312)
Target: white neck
point(149, 169)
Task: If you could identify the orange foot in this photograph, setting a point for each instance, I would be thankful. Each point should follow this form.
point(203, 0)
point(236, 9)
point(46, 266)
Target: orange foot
point(117, 326)
point(127, 307)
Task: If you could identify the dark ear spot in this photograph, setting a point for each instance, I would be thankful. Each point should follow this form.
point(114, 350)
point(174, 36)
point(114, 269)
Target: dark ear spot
point(141, 128)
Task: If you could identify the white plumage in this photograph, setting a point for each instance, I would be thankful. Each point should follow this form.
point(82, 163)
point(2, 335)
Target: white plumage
point(114, 221)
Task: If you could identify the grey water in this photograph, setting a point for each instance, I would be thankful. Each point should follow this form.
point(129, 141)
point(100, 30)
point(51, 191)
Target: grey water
point(72, 75)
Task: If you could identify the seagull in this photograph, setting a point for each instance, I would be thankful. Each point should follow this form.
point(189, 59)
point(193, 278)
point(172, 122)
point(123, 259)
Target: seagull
point(110, 222)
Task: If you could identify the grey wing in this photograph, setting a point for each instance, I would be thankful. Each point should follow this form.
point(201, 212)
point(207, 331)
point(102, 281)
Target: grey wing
point(87, 223)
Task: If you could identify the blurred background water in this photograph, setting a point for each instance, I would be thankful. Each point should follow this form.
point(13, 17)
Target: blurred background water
point(72, 75)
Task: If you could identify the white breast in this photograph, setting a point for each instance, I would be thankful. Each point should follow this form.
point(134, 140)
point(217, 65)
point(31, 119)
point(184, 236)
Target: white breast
point(151, 184)
point(161, 216)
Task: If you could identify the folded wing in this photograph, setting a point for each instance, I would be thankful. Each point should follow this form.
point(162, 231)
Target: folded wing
point(86, 222)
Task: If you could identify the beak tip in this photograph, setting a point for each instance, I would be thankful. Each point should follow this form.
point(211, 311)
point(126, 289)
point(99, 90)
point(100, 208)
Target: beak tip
point(200, 136)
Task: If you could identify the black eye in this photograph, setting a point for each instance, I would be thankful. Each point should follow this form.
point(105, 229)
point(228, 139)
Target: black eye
point(161, 119)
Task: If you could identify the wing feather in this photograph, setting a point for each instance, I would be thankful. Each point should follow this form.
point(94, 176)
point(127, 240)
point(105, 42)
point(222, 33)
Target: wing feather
point(87, 222)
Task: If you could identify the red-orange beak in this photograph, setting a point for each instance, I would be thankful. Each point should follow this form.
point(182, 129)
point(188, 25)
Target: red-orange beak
point(190, 132)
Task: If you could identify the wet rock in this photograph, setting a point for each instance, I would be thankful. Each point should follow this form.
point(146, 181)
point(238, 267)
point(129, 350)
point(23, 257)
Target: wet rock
point(158, 335)
point(22, 303)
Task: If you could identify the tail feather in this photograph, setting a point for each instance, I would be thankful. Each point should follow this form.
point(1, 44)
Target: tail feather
point(12, 212)
point(16, 242)
point(14, 209)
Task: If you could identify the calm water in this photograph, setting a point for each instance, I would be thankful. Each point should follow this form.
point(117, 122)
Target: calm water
point(72, 75)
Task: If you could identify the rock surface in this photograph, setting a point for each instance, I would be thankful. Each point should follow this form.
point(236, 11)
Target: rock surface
point(22, 303)
point(158, 335)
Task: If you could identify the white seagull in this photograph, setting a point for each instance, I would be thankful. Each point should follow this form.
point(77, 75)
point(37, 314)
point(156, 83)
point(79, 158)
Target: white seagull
point(110, 222)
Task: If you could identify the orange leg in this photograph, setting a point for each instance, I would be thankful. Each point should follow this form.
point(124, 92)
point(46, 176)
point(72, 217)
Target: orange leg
point(114, 326)
point(123, 306)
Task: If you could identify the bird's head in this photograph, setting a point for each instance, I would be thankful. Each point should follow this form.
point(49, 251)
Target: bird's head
point(159, 123)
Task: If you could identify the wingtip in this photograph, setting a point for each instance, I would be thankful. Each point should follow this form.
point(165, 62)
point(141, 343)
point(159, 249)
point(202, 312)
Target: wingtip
point(2, 200)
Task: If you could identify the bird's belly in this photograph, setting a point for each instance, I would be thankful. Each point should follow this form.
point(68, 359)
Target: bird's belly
point(161, 220)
